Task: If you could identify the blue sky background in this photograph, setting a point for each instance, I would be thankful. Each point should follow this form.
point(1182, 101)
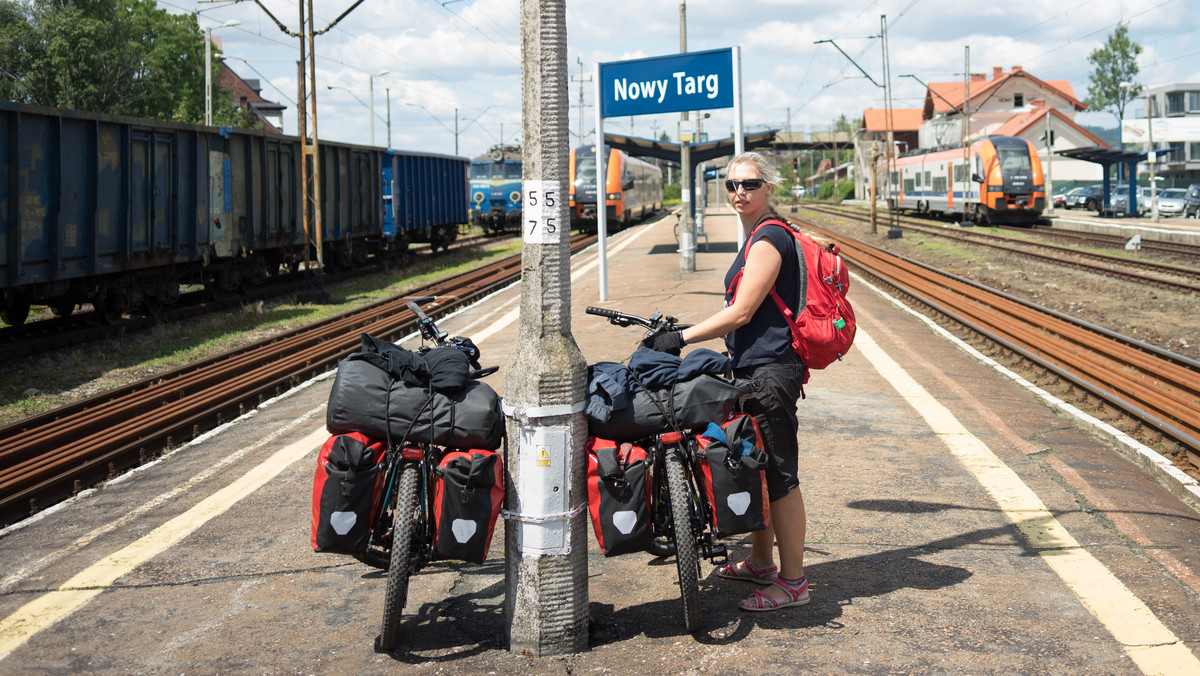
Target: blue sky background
point(461, 58)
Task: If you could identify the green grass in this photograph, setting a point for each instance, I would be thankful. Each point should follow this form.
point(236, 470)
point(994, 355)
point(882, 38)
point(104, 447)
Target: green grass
point(48, 381)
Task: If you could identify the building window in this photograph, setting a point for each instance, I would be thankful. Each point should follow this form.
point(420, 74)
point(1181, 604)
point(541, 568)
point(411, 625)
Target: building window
point(1193, 102)
point(1194, 151)
point(1175, 103)
point(1018, 100)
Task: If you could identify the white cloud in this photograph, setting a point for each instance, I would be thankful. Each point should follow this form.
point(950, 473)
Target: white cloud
point(465, 55)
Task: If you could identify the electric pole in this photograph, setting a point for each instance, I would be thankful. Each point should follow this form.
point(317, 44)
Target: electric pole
point(687, 233)
point(545, 537)
point(582, 81)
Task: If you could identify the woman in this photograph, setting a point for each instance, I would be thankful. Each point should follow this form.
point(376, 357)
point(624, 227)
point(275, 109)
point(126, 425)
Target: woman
point(759, 343)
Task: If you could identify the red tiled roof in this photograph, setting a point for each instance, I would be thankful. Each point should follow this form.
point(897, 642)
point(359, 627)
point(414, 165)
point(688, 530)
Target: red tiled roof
point(903, 119)
point(942, 97)
point(1019, 124)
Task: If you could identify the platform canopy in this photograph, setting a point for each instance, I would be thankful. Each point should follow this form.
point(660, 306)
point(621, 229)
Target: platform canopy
point(1106, 157)
point(700, 152)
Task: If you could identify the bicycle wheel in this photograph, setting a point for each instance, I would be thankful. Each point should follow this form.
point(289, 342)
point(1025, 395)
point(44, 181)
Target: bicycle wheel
point(686, 559)
point(407, 513)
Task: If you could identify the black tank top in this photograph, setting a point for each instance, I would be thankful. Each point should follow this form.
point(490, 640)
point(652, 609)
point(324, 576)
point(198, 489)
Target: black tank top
point(766, 338)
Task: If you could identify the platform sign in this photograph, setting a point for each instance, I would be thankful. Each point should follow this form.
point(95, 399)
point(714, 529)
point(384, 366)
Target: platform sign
point(667, 84)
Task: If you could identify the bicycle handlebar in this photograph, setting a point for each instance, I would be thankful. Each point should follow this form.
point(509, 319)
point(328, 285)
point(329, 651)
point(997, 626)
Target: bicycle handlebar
point(656, 322)
point(430, 332)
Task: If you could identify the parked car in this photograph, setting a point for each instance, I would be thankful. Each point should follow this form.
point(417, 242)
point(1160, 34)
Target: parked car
point(1171, 202)
point(1058, 200)
point(1120, 200)
point(1191, 201)
point(1085, 197)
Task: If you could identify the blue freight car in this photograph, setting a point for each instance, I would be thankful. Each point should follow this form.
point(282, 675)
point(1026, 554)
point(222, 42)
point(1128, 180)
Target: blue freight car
point(424, 197)
point(120, 212)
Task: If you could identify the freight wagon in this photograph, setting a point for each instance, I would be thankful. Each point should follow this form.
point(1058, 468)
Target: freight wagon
point(120, 212)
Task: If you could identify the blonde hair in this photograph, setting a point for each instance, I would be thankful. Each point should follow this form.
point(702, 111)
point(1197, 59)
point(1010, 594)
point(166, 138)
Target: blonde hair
point(766, 170)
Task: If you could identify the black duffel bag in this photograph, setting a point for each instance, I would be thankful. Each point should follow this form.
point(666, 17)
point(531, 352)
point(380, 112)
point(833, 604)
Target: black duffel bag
point(370, 395)
point(690, 403)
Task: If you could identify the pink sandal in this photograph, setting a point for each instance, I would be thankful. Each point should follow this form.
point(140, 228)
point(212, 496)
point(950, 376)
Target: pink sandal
point(761, 601)
point(756, 575)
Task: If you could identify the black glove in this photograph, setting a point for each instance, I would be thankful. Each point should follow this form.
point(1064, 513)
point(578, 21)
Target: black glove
point(670, 342)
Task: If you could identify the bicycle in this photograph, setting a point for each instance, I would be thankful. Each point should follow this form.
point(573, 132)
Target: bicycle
point(679, 510)
point(402, 537)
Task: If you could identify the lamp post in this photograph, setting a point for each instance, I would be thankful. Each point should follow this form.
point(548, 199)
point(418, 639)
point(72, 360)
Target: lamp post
point(371, 97)
point(208, 68)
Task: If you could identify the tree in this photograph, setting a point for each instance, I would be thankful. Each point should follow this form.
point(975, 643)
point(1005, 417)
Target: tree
point(1114, 63)
point(121, 57)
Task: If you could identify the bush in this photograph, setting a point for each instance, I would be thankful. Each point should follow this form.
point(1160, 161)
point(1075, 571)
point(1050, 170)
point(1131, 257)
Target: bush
point(672, 193)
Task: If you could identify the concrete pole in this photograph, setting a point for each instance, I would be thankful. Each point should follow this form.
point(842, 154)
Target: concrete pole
point(208, 76)
point(687, 232)
point(545, 538)
point(1049, 162)
point(371, 104)
point(1151, 158)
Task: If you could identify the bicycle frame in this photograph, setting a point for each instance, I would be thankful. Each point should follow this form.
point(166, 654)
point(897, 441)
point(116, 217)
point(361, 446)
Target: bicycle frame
point(679, 509)
point(402, 537)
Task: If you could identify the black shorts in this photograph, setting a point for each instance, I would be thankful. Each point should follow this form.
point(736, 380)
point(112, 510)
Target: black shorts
point(772, 401)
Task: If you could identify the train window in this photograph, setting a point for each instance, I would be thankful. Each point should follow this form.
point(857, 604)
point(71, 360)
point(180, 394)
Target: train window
point(585, 167)
point(512, 170)
point(481, 170)
point(958, 173)
point(927, 175)
point(908, 185)
point(1014, 159)
point(939, 184)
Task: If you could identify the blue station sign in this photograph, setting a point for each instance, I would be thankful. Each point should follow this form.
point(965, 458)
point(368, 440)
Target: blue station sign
point(667, 84)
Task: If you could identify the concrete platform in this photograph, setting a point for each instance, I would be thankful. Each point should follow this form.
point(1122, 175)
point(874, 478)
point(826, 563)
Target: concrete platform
point(959, 522)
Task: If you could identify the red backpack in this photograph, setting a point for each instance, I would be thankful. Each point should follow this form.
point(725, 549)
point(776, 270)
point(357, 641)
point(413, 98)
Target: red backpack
point(823, 330)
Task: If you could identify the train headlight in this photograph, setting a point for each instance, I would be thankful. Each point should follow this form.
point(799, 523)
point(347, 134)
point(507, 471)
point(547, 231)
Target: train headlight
point(478, 197)
point(515, 197)
point(614, 195)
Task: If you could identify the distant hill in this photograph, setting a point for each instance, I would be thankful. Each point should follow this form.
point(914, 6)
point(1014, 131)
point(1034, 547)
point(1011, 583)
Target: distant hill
point(1111, 136)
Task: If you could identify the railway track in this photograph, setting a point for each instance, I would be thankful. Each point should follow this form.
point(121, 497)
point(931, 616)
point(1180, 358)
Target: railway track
point(49, 457)
point(48, 335)
point(1158, 390)
point(1163, 275)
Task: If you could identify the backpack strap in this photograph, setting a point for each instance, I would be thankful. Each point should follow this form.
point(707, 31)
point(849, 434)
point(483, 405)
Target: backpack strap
point(789, 315)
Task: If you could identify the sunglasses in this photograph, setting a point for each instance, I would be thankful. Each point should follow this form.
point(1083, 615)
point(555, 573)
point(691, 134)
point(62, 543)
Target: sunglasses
point(749, 184)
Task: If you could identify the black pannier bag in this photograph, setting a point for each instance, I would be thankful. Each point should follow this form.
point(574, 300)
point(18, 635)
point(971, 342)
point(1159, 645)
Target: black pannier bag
point(468, 495)
point(618, 497)
point(390, 393)
point(733, 476)
point(346, 492)
point(691, 403)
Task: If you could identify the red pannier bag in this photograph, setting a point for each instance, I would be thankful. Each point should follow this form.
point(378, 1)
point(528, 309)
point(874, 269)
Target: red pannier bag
point(733, 475)
point(346, 492)
point(467, 496)
point(618, 496)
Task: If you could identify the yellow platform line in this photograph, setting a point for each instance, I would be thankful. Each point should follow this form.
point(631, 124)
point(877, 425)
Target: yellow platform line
point(1149, 643)
point(49, 608)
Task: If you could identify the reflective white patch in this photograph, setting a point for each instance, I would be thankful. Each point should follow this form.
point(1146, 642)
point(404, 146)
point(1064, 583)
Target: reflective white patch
point(738, 502)
point(625, 521)
point(342, 522)
point(463, 530)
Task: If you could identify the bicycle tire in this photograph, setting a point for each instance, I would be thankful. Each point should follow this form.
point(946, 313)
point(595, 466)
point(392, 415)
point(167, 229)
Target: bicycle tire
point(686, 559)
point(404, 530)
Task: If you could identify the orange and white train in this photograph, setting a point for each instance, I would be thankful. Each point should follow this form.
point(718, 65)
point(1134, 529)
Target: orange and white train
point(998, 180)
point(634, 189)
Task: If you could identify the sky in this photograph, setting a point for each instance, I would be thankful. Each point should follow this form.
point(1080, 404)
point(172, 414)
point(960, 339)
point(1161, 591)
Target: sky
point(456, 64)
